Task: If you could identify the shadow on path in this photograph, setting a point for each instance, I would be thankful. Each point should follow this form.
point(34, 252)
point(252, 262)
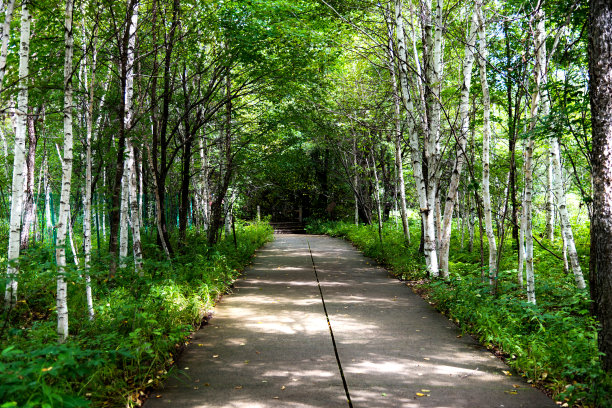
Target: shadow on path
point(269, 344)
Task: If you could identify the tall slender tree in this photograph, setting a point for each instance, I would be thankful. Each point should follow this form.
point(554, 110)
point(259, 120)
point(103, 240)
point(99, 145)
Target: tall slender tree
point(600, 77)
point(17, 190)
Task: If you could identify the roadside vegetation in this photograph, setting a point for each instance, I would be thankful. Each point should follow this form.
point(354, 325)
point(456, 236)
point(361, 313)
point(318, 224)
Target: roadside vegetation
point(553, 343)
point(141, 322)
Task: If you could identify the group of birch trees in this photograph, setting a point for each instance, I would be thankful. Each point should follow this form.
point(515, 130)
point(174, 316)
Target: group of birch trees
point(493, 105)
point(489, 105)
point(158, 102)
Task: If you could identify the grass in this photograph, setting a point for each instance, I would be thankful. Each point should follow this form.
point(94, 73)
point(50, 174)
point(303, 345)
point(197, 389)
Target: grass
point(141, 323)
point(552, 344)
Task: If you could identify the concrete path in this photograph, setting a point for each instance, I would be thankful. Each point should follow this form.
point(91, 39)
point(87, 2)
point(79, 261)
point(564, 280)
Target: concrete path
point(269, 343)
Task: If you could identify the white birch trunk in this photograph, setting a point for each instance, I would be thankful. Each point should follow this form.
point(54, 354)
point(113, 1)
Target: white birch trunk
point(48, 220)
point(102, 206)
point(566, 227)
point(355, 181)
point(426, 202)
point(521, 248)
point(64, 208)
point(486, 142)
point(550, 206)
point(432, 26)
point(123, 216)
point(399, 165)
point(540, 74)
point(377, 197)
point(527, 208)
point(5, 34)
point(87, 199)
point(18, 182)
point(464, 106)
point(564, 254)
point(132, 179)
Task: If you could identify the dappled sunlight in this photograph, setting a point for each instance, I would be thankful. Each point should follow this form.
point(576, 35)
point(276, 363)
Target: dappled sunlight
point(269, 343)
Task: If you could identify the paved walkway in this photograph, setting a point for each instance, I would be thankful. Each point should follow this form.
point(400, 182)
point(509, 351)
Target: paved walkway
point(269, 343)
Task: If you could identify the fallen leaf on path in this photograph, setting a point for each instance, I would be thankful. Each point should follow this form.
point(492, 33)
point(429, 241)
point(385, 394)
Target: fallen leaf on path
point(420, 394)
point(283, 388)
point(516, 386)
point(206, 384)
point(196, 388)
point(384, 394)
point(506, 372)
point(238, 387)
point(158, 396)
point(200, 345)
point(460, 336)
point(513, 392)
point(246, 361)
point(215, 355)
point(426, 358)
point(425, 391)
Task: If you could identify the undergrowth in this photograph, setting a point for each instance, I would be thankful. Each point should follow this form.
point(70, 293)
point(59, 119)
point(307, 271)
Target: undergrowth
point(553, 344)
point(140, 325)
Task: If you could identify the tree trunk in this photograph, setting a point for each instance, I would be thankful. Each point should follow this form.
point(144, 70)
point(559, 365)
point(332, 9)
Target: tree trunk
point(566, 227)
point(5, 33)
point(425, 192)
point(377, 197)
point(453, 188)
point(550, 205)
point(87, 200)
point(123, 216)
point(28, 210)
point(64, 208)
point(399, 165)
point(540, 75)
point(486, 141)
point(205, 194)
point(600, 79)
point(132, 176)
point(117, 194)
point(19, 159)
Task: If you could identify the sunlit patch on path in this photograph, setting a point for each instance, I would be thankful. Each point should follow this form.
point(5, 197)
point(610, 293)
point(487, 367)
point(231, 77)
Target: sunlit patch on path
point(269, 344)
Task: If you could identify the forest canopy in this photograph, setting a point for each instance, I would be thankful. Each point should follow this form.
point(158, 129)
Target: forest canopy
point(135, 134)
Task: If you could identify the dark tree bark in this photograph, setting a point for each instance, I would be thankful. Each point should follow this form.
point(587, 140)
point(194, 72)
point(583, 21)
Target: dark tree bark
point(185, 179)
point(600, 76)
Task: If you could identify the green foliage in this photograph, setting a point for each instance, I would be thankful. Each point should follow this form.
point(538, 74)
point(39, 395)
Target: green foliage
point(553, 343)
point(141, 324)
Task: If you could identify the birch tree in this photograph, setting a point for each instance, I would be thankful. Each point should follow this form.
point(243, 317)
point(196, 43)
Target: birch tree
point(464, 105)
point(64, 208)
point(397, 137)
point(486, 142)
point(5, 34)
point(17, 186)
point(426, 185)
point(132, 181)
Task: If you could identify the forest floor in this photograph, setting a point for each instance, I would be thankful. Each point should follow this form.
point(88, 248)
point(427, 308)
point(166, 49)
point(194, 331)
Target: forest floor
point(270, 344)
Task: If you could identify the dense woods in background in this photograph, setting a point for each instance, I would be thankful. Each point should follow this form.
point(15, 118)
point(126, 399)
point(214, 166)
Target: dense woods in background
point(133, 133)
